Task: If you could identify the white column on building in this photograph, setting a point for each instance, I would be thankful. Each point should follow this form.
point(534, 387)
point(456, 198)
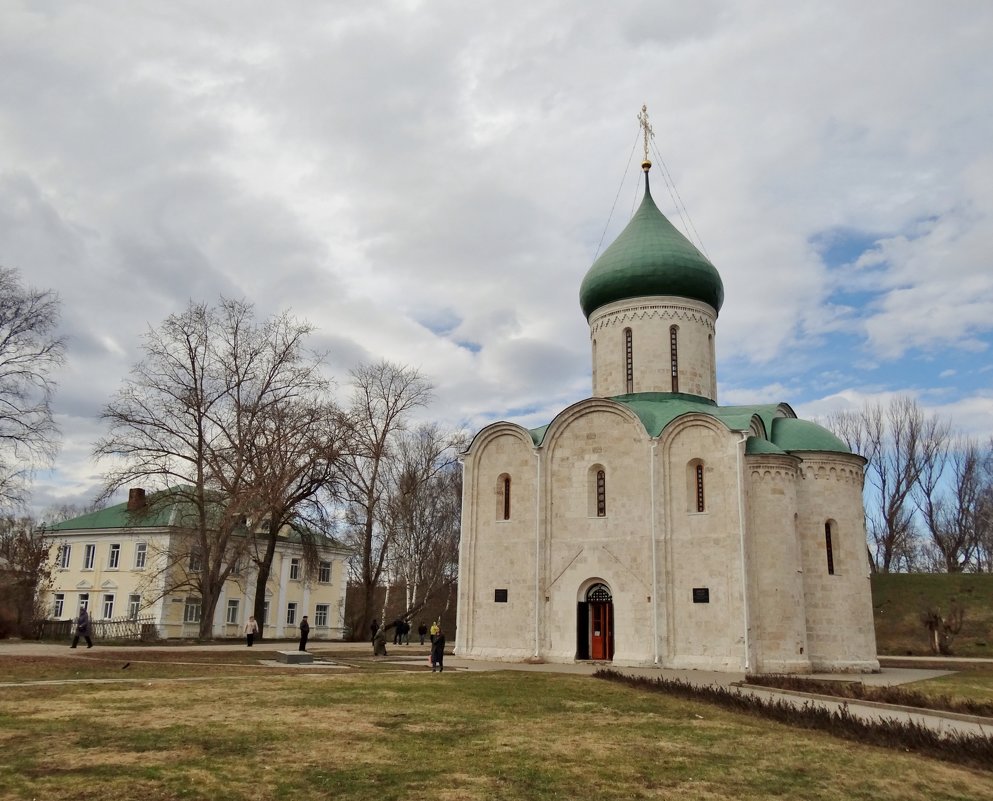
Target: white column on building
point(284, 580)
point(250, 580)
point(218, 626)
point(304, 603)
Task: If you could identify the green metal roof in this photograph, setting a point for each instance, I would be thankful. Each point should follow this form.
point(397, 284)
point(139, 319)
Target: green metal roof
point(162, 509)
point(792, 434)
point(656, 410)
point(756, 446)
point(650, 257)
point(538, 434)
point(155, 514)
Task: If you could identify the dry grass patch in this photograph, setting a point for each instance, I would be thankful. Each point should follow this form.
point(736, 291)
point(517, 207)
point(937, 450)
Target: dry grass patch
point(463, 736)
point(968, 692)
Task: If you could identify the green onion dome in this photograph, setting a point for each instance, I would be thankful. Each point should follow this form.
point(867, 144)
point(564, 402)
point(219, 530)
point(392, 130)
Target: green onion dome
point(650, 257)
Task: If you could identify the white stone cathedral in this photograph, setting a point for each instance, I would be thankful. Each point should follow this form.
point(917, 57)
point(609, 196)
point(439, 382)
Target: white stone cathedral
point(646, 525)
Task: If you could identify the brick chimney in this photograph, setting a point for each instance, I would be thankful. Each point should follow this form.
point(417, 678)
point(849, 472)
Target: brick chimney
point(136, 499)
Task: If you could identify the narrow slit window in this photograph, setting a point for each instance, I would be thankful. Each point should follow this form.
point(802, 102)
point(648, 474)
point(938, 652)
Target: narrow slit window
point(674, 356)
point(506, 497)
point(829, 548)
point(594, 365)
point(699, 488)
point(601, 493)
point(628, 361)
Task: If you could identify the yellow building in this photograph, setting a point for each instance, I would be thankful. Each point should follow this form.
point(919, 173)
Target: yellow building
point(116, 563)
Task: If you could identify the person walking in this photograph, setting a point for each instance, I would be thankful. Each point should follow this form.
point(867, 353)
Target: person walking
point(379, 643)
point(82, 629)
point(435, 628)
point(374, 627)
point(422, 631)
point(251, 629)
point(304, 633)
point(438, 652)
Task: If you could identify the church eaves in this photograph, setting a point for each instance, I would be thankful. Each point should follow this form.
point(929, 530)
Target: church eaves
point(656, 410)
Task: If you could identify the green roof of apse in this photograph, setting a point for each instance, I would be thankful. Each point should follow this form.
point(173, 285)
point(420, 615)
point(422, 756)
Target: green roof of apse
point(650, 257)
point(792, 434)
point(757, 445)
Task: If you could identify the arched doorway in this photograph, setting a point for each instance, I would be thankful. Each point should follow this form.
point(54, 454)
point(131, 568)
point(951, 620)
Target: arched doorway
point(595, 624)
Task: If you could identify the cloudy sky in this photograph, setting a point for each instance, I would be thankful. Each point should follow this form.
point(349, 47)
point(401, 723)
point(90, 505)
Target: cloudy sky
point(428, 182)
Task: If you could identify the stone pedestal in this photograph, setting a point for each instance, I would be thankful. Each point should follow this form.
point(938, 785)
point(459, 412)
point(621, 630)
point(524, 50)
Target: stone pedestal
point(295, 657)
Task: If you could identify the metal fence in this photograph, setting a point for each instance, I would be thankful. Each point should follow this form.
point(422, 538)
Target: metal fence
point(143, 629)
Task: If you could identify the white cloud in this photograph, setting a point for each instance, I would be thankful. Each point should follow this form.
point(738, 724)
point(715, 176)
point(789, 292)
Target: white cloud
point(383, 169)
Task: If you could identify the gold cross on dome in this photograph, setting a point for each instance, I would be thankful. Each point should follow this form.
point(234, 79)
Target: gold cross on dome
point(646, 127)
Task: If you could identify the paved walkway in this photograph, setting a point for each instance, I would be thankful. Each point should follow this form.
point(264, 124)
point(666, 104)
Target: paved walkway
point(409, 654)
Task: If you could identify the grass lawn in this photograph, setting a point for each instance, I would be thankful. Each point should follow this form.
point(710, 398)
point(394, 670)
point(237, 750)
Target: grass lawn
point(411, 734)
point(899, 598)
point(976, 685)
point(966, 691)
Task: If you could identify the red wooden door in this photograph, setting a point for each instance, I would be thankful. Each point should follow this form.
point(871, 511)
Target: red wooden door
point(600, 630)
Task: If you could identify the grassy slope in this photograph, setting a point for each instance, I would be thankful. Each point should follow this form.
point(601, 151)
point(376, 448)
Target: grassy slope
point(899, 598)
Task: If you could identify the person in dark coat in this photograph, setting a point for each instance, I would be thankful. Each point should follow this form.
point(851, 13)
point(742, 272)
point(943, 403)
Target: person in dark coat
point(422, 631)
point(82, 629)
point(398, 631)
point(374, 627)
point(379, 643)
point(438, 652)
point(304, 633)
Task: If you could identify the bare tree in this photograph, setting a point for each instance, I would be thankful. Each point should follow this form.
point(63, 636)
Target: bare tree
point(295, 461)
point(67, 511)
point(26, 572)
point(383, 396)
point(983, 519)
point(422, 515)
point(949, 496)
point(188, 419)
point(891, 440)
point(942, 627)
point(29, 354)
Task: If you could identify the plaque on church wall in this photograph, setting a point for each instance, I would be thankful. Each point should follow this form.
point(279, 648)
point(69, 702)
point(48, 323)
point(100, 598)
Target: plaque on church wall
point(500, 596)
point(701, 595)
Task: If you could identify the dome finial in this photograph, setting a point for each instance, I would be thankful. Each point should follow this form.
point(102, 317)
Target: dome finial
point(646, 132)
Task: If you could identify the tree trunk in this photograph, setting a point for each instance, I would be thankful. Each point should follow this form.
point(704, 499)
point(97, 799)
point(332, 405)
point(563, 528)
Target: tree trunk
point(265, 568)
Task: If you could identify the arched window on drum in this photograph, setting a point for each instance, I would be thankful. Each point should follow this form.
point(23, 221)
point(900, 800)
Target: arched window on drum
point(674, 356)
point(628, 361)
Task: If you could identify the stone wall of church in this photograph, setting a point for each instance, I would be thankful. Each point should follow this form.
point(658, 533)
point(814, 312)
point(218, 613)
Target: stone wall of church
point(702, 617)
point(838, 600)
point(681, 603)
point(778, 629)
point(650, 320)
point(498, 554)
point(584, 548)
